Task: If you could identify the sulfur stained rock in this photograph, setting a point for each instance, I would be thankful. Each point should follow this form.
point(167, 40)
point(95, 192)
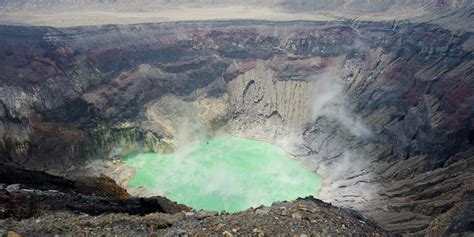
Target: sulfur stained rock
point(13, 234)
point(296, 216)
point(217, 227)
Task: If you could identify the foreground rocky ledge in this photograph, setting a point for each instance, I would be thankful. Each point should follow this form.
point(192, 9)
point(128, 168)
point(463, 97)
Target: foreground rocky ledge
point(34, 203)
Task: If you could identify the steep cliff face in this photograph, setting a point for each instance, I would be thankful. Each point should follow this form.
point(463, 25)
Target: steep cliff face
point(383, 111)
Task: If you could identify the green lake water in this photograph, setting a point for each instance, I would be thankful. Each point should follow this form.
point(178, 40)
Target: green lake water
point(225, 173)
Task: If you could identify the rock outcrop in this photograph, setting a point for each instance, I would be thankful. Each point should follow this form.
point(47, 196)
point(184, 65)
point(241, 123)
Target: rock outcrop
point(27, 194)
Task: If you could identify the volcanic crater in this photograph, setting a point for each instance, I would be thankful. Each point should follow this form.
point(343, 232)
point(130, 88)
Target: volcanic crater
point(380, 112)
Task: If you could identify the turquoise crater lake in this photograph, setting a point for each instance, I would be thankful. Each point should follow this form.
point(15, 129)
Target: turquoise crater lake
point(225, 173)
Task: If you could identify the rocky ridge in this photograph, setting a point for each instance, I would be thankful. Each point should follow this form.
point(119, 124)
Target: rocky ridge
point(451, 14)
point(52, 205)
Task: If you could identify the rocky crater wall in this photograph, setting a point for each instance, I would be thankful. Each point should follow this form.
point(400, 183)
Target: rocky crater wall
point(393, 139)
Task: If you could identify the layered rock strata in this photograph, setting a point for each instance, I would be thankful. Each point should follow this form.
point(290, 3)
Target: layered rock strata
point(394, 140)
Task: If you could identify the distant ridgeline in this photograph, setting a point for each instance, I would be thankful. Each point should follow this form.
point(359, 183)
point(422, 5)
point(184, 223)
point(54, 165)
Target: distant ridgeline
point(360, 5)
